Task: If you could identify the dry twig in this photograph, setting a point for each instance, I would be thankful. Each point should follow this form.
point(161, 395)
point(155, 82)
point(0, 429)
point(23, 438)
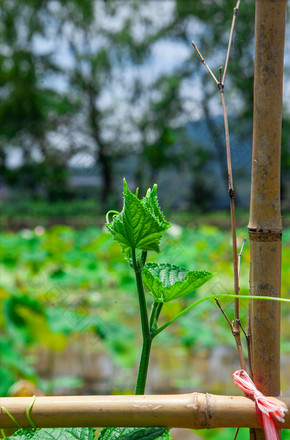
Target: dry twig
point(203, 62)
point(240, 255)
point(224, 313)
point(236, 434)
point(230, 40)
point(220, 84)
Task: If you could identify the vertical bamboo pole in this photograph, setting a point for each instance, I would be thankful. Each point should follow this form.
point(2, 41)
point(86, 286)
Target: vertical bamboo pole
point(265, 226)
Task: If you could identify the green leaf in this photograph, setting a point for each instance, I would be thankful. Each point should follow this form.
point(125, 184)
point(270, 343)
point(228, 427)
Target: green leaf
point(54, 433)
point(150, 201)
point(167, 282)
point(134, 434)
point(140, 224)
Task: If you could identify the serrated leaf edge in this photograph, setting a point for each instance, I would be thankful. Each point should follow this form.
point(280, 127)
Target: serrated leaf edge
point(163, 289)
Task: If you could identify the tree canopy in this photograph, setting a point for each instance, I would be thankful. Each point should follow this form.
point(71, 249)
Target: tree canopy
point(117, 85)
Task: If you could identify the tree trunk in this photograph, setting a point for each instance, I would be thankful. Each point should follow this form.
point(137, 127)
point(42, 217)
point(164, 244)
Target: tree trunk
point(101, 155)
point(265, 227)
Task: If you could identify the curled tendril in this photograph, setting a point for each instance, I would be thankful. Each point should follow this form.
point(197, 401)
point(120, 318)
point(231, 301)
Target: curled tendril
point(15, 421)
point(11, 416)
point(28, 413)
point(108, 215)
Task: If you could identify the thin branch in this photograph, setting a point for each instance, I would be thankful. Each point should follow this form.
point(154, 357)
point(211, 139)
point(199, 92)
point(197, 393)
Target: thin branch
point(248, 341)
point(228, 147)
point(236, 328)
point(242, 361)
point(243, 330)
point(203, 62)
point(221, 71)
point(240, 255)
point(236, 434)
point(247, 335)
point(224, 313)
point(220, 84)
point(230, 40)
point(207, 298)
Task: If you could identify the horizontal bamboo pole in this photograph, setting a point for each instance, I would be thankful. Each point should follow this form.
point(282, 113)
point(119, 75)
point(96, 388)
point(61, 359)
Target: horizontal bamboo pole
point(195, 411)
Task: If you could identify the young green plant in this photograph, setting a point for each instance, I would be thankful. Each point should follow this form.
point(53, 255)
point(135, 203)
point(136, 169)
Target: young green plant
point(138, 229)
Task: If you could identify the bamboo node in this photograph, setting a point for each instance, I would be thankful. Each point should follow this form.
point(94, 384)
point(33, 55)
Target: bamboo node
point(265, 236)
point(208, 413)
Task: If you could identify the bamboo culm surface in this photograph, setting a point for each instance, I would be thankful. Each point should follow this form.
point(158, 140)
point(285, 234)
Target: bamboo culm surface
point(265, 227)
point(194, 410)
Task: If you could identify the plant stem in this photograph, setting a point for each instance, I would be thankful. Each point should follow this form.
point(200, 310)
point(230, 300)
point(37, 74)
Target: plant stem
point(141, 296)
point(143, 366)
point(146, 334)
point(207, 298)
point(155, 312)
point(143, 258)
point(158, 311)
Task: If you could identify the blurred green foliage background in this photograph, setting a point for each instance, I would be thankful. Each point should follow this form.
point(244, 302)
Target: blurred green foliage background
point(70, 323)
point(62, 286)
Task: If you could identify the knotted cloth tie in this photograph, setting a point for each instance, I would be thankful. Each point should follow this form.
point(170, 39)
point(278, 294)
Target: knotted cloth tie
point(268, 412)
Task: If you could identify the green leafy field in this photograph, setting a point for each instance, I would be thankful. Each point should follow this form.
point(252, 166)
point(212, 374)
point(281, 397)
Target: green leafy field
point(61, 282)
point(58, 282)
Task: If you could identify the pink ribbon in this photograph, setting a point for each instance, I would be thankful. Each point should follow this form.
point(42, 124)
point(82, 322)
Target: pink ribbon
point(268, 412)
